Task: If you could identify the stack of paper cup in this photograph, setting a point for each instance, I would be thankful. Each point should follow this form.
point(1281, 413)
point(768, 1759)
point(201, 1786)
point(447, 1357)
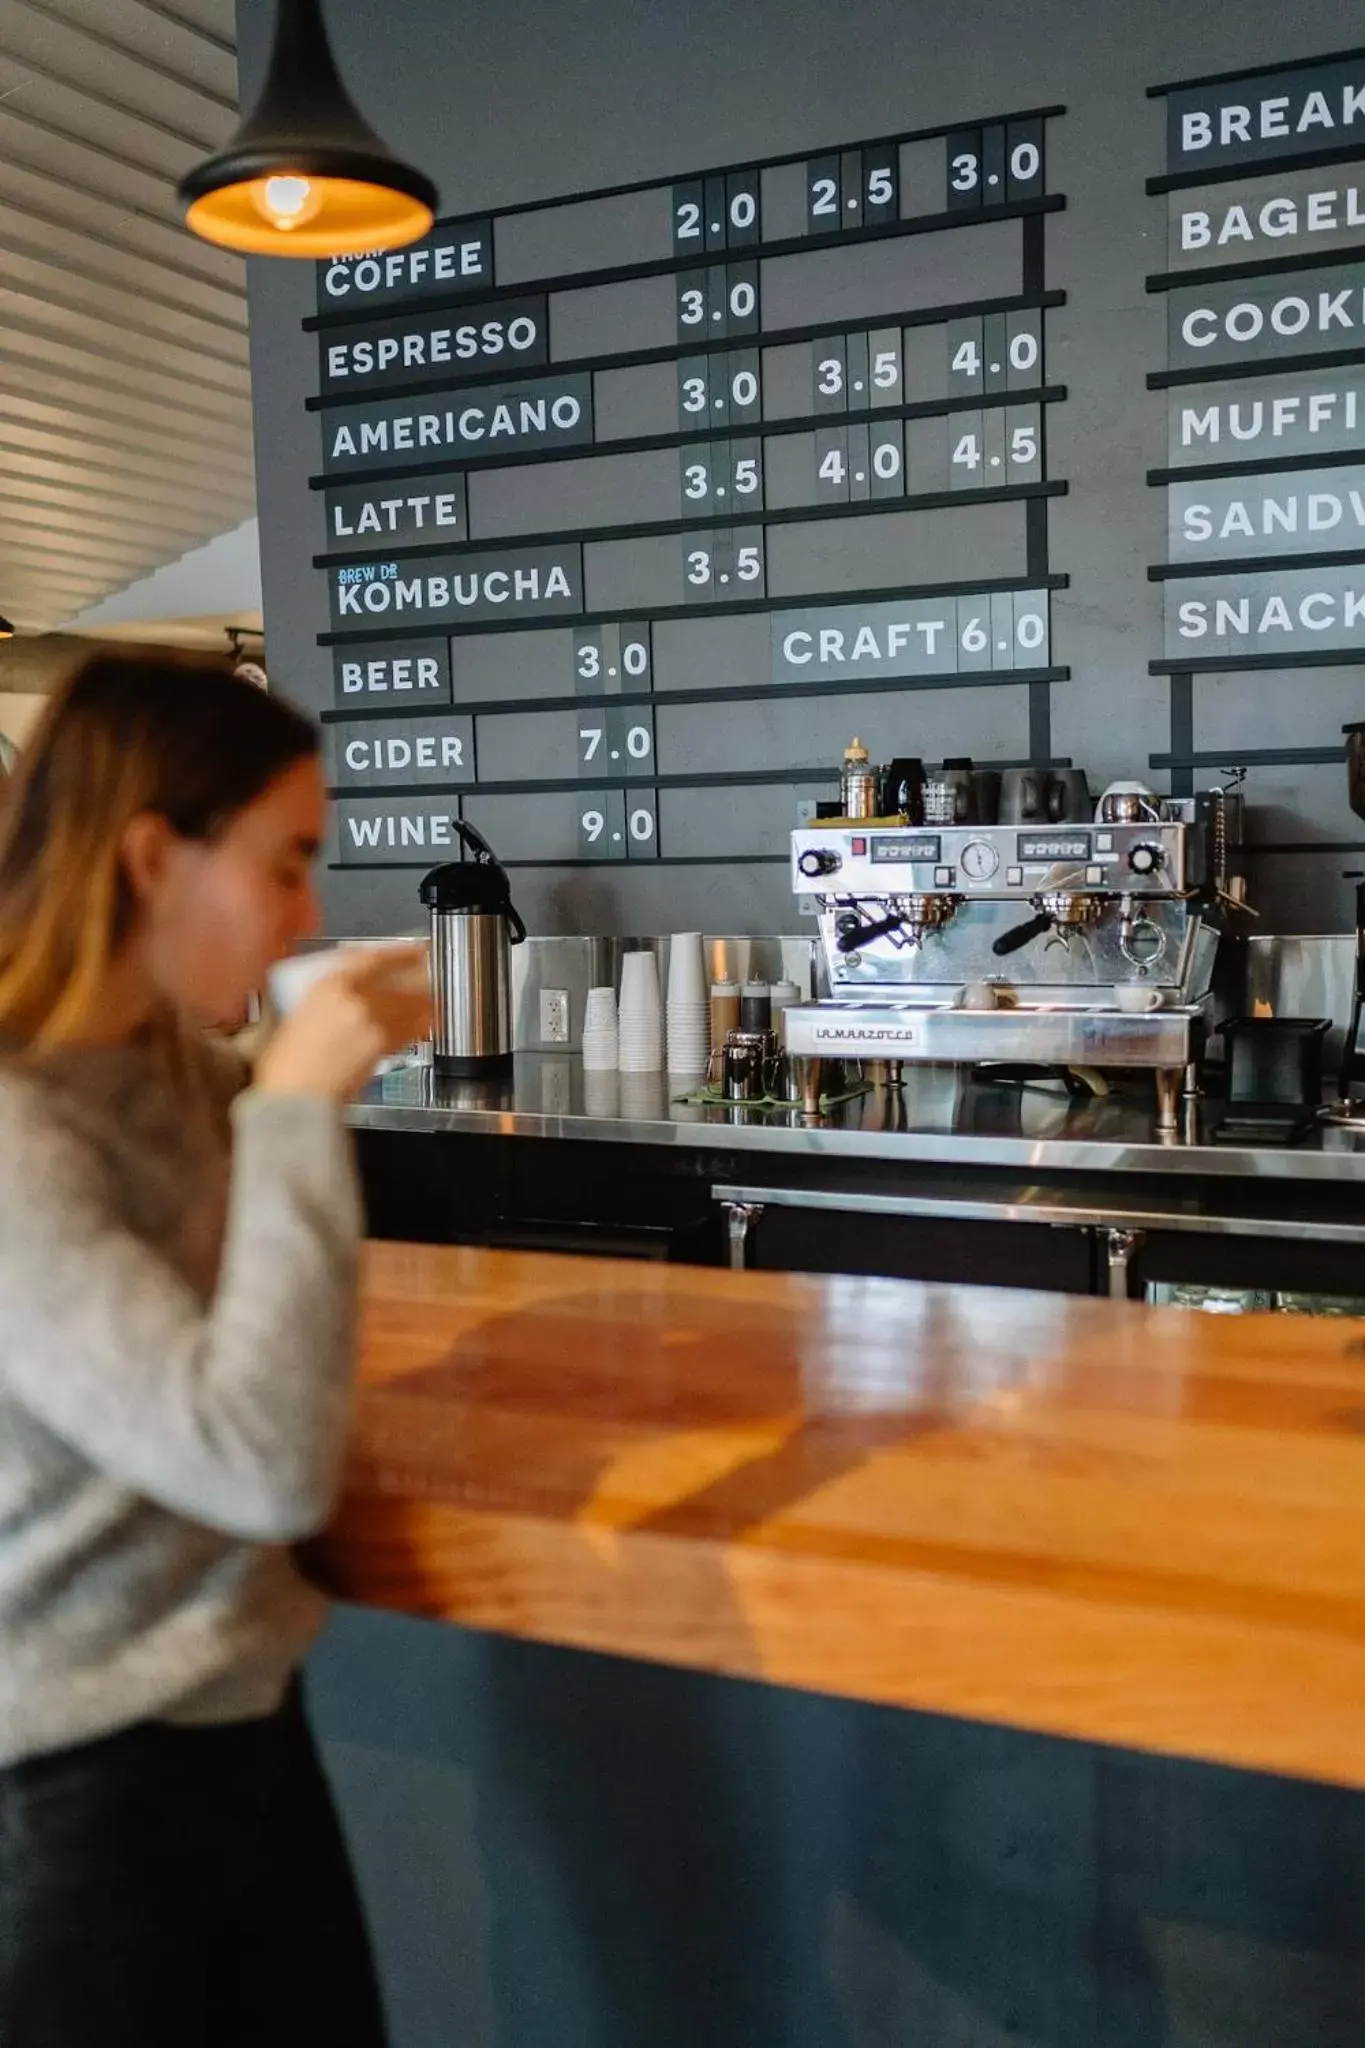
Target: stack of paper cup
point(640, 1025)
point(689, 1014)
point(599, 1031)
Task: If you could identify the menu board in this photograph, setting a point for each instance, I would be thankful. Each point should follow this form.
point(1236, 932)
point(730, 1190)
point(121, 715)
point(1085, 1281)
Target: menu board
point(1264, 192)
point(765, 433)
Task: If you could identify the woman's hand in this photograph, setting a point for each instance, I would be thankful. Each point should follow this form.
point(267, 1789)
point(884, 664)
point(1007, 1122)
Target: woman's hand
point(378, 1000)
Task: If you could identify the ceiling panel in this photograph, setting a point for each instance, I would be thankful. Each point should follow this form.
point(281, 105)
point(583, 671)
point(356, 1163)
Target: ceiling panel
point(125, 415)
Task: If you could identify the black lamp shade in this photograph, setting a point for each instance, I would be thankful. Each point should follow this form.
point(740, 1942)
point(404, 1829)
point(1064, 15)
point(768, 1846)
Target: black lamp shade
point(344, 191)
point(6, 629)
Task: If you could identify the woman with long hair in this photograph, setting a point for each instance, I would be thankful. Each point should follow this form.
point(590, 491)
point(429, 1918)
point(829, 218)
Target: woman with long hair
point(177, 1270)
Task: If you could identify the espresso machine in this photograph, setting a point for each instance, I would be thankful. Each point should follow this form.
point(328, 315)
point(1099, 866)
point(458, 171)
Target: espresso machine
point(1058, 947)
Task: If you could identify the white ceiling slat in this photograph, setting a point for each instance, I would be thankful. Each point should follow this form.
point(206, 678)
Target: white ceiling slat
point(120, 311)
point(125, 404)
point(28, 425)
point(94, 27)
point(48, 460)
point(65, 106)
point(174, 362)
point(184, 434)
point(115, 511)
point(112, 221)
point(34, 498)
point(63, 596)
point(57, 169)
point(83, 254)
point(112, 374)
point(126, 568)
point(24, 112)
point(62, 54)
point(33, 503)
point(212, 24)
point(73, 164)
point(35, 529)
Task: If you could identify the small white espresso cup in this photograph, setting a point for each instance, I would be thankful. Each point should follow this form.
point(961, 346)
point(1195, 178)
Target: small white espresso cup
point(1132, 997)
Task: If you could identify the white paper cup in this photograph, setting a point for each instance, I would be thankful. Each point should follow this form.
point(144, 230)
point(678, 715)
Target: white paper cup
point(686, 969)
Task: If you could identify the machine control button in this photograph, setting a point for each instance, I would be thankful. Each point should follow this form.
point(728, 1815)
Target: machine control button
point(819, 860)
point(1104, 842)
point(944, 878)
point(858, 847)
point(1014, 878)
point(1145, 860)
point(1094, 878)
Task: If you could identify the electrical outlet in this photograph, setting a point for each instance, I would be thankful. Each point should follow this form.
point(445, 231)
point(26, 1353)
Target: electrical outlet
point(554, 1016)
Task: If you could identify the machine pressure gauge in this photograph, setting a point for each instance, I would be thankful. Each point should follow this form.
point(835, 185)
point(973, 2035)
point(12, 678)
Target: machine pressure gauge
point(979, 860)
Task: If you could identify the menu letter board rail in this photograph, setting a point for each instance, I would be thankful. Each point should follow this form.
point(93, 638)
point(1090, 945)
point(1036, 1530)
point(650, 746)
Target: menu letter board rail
point(870, 642)
point(858, 190)
point(858, 372)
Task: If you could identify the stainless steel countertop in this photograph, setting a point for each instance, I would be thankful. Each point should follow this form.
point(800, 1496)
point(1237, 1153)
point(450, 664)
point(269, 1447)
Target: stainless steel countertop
point(938, 1118)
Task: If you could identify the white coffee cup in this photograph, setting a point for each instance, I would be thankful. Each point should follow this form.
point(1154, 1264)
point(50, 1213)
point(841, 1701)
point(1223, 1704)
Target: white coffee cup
point(1135, 999)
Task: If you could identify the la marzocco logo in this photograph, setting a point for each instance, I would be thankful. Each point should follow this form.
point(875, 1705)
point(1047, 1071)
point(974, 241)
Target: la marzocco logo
point(867, 1034)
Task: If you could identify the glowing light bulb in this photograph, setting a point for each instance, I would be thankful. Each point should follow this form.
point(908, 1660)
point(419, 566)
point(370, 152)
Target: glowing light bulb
point(287, 202)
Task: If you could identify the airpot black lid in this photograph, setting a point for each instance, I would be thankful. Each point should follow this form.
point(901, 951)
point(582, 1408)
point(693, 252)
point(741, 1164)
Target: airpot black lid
point(477, 884)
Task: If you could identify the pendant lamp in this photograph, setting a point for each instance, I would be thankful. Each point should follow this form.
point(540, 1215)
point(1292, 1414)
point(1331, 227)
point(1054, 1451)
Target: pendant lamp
point(305, 174)
point(6, 629)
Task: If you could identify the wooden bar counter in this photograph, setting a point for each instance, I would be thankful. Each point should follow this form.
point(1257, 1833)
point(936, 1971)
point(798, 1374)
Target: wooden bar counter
point(1133, 1526)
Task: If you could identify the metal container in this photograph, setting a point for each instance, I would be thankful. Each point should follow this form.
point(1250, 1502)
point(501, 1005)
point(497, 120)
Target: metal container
point(473, 925)
point(745, 1066)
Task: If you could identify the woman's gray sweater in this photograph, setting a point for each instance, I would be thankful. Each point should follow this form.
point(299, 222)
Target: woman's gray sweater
point(177, 1278)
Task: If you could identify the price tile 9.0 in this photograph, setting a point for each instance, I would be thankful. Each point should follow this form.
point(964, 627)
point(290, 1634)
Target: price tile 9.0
point(615, 824)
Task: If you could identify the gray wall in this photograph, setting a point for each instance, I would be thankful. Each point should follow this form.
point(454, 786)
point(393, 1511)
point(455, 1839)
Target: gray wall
point(505, 106)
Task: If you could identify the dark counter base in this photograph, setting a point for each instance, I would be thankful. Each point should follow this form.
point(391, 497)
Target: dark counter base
point(656, 1201)
point(567, 1851)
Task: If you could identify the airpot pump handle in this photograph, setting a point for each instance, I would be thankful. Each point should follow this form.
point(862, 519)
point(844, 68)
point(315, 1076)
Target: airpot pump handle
point(1010, 942)
point(475, 842)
